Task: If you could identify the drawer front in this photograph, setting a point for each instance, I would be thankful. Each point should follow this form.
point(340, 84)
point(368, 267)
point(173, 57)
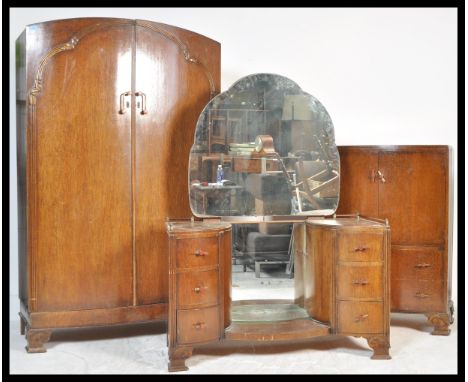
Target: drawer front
point(417, 263)
point(356, 281)
point(197, 288)
point(360, 246)
point(418, 295)
point(197, 252)
point(197, 325)
point(360, 317)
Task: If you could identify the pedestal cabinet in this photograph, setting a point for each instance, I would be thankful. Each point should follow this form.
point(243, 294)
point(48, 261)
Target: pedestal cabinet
point(346, 278)
point(106, 111)
point(412, 187)
point(199, 287)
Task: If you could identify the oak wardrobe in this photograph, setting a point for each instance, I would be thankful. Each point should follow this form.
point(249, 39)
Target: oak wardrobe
point(106, 111)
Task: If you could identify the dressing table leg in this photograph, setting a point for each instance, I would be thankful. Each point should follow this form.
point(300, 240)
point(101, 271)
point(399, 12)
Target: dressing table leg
point(177, 357)
point(380, 345)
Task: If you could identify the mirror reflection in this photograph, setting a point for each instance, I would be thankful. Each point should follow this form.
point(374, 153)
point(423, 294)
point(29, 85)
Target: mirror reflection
point(264, 148)
point(263, 273)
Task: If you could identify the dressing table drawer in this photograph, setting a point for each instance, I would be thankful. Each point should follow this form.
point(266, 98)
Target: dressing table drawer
point(360, 281)
point(360, 317)
point(197, 252)
point(197, 288)
point(197, 325)
point(360, 246)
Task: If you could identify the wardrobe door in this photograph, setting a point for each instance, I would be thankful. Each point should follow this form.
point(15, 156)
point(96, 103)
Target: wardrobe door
point(175, 75)
point(81, 170)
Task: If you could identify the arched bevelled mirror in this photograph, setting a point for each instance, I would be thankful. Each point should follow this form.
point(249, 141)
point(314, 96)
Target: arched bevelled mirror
point(264, 148)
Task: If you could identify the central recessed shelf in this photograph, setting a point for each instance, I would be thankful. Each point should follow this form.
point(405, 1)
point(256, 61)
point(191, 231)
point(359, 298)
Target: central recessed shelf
point(267, 312)
point(271, 320)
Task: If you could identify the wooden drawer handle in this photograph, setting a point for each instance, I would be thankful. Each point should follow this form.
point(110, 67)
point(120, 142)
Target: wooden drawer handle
point(360, 282)
point(200, 289)
point(422, 295)
point(360, 249)
point(423, 265)
point(199, 325)
point(361, 317)
point(199, 252)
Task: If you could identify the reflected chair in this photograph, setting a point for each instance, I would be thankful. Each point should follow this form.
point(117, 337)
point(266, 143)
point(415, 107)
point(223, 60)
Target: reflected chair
point(316, 184)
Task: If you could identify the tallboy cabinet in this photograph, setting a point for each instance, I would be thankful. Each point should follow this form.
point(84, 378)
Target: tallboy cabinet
point(411, 186)
point(106, 110)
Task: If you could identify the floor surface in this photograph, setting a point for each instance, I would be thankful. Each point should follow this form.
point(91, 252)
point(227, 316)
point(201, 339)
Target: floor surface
point(141, 349)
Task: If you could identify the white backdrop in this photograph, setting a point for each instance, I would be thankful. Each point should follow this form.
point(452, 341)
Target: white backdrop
point(386, 76)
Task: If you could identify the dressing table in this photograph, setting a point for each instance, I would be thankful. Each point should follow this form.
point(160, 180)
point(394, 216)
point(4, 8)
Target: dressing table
point(341, 263)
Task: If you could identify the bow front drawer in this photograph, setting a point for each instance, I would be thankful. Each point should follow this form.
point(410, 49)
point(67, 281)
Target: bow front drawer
point(197, 325)
point(360, 281)
point(197, 252)
point(197, 288)
point(360, 317)
point(360, 246)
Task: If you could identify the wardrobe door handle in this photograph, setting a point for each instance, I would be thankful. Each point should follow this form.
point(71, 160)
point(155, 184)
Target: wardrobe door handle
point(143, 102)
point(124, 108)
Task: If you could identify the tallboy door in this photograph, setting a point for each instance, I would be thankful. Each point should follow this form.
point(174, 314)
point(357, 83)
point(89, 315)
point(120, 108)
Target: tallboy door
point(171, 90)
point(359, 188)
point(81, 168)
point(414, 196)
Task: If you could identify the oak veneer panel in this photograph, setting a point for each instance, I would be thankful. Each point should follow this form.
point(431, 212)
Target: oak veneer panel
point(358, 191)
point(176, 92)
point(417, 263)
point(417, 295)
point(83, 182)
point(318, 263)
point(226, 256)
point(414, 196)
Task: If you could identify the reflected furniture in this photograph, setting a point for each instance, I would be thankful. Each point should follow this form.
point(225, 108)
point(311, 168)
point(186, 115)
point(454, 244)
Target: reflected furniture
point(341, 287)
point(274, 141)
point(412, 187)
point(106, 110)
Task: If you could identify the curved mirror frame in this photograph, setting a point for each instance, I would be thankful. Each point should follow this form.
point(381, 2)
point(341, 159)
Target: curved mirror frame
point(264, 150)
